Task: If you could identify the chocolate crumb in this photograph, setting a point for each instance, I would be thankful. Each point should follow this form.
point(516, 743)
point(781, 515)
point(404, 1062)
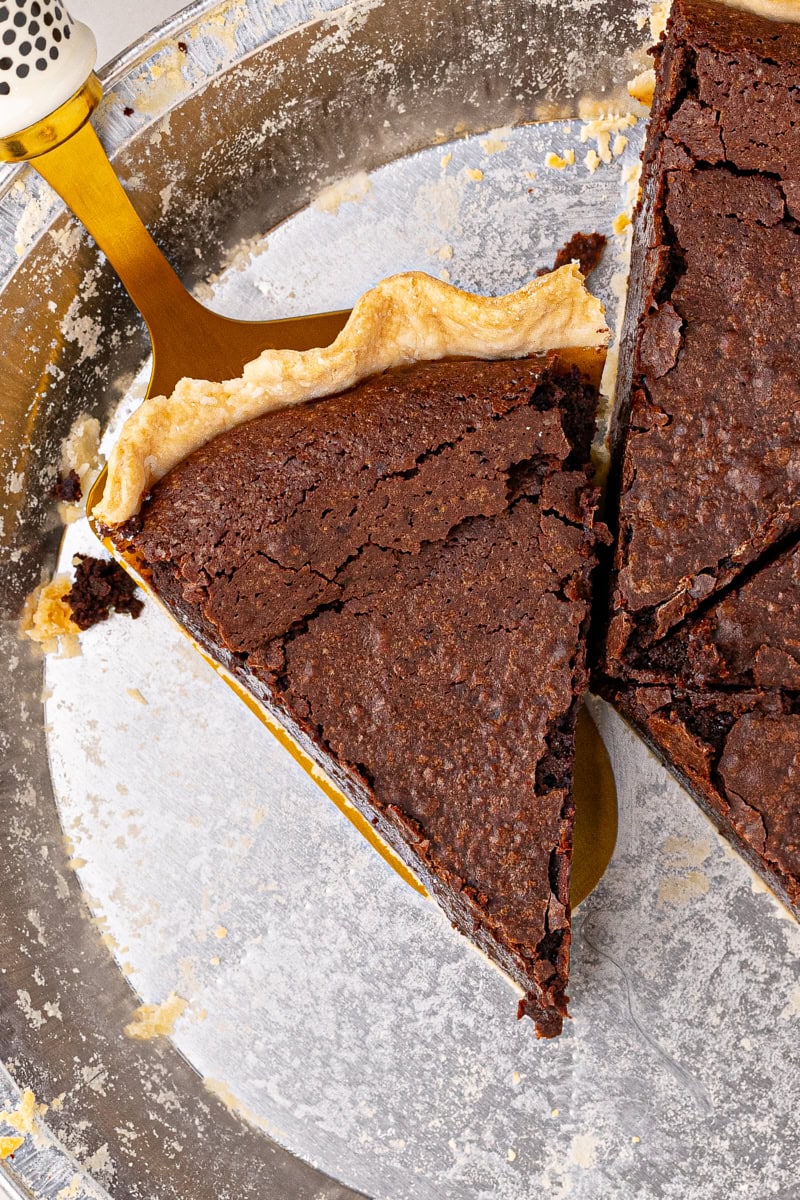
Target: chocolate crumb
point(127, 110)
point(586, 248)
point(68, 489)
point(184, 49)
point(100, 586)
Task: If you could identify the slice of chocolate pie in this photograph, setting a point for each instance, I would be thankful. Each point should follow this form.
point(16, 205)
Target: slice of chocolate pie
point(703, 648)
point(401, 575)
point(708, 421)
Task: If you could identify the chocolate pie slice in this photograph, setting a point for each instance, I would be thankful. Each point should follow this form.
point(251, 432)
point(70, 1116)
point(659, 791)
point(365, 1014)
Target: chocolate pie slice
point(703, 647)
point(708, 428)
point(400, 574)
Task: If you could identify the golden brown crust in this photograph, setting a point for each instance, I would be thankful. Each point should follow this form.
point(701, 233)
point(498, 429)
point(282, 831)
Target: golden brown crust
point(404, 319)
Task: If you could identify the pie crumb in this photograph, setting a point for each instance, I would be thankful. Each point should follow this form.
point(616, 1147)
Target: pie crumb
point(156, 1020)
point(642, 87)
point(80, 452)
point(25, 1117)
point(558, 162)
point(600, 129)
point(47, 616)
point(658, 18)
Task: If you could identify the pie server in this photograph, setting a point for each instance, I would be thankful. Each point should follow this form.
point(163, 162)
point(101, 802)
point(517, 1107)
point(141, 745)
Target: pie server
point(48, 92)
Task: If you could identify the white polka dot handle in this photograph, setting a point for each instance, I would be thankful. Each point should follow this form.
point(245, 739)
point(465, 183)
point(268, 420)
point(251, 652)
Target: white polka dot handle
point(45, 57)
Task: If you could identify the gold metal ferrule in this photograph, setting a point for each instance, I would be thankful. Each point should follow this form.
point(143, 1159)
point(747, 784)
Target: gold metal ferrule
point(56, 128)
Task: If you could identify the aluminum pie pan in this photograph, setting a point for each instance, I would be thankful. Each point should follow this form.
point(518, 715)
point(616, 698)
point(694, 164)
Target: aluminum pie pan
point(401, 1072)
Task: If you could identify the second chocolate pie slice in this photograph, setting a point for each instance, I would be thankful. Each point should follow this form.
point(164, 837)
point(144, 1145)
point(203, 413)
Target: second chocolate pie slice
point(401, 575)
point(708, 421)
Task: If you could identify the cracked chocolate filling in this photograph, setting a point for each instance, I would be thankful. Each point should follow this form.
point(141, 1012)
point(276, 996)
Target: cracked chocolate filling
point(708, 442)
point(748, 635)
point(402, 574)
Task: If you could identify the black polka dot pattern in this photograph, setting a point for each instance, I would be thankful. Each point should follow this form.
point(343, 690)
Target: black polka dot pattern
point(32, 38)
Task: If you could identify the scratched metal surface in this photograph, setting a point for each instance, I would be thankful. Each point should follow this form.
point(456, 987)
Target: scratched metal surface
point(328, 1009)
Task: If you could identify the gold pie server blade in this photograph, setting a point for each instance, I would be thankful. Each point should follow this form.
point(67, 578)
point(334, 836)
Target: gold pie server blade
point(46, 103)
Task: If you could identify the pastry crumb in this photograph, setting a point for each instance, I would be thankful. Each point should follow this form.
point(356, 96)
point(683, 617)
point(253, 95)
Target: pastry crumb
point(558, 162)
point(72, 1190)
point(10, 1145)
point(24, 1119)
point(643, 86)
point(344, 191)
point(47, 616)
point(618, 145)
point(496, 141)
point(474, 173)
point(156, 1020)
point(80, 456)
point(621, 223)
point(592, 161)
point(600, 130)
point(658, 18)
point(57, 611)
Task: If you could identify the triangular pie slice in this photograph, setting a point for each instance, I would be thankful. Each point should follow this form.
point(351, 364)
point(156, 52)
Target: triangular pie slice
point(400, 574)
point(708, 427)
